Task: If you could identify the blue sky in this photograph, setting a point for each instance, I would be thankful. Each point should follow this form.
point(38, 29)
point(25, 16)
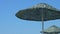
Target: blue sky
point(10, 24)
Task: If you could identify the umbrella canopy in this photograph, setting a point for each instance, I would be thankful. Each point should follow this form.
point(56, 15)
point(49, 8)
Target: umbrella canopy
point(35, 13)
point(52, 29)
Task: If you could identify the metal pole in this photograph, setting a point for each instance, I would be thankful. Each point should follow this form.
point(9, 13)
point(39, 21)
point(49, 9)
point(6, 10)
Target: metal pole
point(42, 26)
point(42, 22)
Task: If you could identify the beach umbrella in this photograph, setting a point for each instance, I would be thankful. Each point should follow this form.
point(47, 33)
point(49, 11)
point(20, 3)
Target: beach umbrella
point(52, 30)
point(40, 12)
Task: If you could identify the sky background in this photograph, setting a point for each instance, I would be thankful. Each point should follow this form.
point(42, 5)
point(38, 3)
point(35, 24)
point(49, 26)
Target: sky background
point(10, 24)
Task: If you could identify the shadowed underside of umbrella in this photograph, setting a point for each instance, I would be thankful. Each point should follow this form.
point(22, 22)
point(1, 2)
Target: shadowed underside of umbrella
point(35, 13)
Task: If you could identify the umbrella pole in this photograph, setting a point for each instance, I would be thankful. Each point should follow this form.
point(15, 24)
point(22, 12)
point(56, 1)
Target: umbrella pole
point(42, 26)
point(42, 23)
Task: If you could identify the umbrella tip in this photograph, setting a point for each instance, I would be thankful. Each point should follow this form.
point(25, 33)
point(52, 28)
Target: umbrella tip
point(54, 26)
point(43, 3)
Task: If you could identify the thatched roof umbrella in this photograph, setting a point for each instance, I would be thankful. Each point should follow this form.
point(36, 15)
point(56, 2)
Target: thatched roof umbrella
point(52, 29)
point(40, 12)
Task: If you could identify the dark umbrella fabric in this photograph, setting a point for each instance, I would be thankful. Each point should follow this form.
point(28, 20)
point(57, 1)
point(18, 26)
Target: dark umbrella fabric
point(35, 13)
